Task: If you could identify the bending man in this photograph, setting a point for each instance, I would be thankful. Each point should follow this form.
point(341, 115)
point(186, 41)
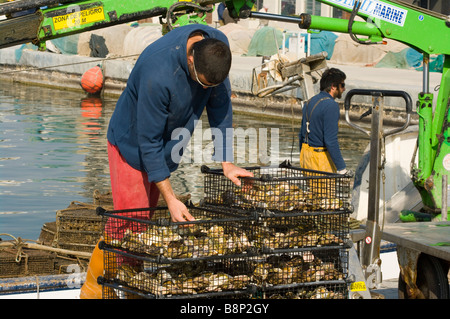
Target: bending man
point(172, 82)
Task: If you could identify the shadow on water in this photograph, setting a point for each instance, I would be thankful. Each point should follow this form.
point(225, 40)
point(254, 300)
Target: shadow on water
point(53, 152)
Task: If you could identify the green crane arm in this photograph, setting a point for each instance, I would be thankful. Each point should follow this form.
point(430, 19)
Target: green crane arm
point(39, 20)
point(397, 20)
point(429, 33)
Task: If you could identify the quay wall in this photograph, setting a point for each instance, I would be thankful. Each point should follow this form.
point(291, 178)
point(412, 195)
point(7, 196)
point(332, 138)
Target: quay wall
point(64, 72)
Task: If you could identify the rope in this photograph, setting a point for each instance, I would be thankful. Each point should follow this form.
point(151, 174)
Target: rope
point(69, 64)
point(20, 243)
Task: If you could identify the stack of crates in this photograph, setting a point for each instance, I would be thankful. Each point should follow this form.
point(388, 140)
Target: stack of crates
point(282, 234)
point(303, 227)
point(147, 255)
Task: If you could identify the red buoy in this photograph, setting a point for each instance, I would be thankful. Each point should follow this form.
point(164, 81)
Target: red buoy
point(92, 80)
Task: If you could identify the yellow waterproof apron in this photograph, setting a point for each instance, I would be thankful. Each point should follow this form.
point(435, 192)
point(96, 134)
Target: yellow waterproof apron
point(316, 158)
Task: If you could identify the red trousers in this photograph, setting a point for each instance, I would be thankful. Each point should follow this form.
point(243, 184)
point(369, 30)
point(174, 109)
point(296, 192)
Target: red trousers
point(130, 189)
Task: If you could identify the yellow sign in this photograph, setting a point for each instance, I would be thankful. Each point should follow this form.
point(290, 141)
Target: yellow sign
point(358, 286)
point(78, 18)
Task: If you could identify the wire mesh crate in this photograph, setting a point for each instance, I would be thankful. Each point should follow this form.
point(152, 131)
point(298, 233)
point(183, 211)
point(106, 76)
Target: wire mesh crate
point(237, 277)
point(283, 188)
point(146, 255)
point(295, 267)
point(316, 273)
point(213, 278)
point(223, 253)
point(300, 230)
point(315, 290)
point(78, 227)
point(18, 262)
point(151, 232)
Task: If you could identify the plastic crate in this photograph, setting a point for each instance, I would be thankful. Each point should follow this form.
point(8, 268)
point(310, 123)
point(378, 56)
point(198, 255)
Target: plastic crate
point(283, 188)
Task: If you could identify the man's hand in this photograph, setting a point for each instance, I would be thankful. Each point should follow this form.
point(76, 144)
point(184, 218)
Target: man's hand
point(178, 211)
point(232, 172)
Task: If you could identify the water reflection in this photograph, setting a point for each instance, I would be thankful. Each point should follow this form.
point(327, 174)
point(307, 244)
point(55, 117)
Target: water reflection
point(53, 152)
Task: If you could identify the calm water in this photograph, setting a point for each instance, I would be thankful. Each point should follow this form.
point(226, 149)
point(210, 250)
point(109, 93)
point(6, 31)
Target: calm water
point(53, 152)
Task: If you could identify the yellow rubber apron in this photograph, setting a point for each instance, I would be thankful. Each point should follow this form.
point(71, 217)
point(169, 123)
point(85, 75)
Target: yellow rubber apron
point(315, 158)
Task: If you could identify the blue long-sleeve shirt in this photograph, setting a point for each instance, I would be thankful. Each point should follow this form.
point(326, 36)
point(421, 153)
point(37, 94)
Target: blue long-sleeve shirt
point(323, 126)
point(161, 97)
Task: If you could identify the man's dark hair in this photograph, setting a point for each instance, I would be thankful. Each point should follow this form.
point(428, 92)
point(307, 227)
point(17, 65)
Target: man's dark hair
point(331, 77)
point(212, 59)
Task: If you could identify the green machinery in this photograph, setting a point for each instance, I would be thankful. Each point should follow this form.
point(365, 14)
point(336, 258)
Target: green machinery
point(428, 32)
point(424, 30)
point(39, 20)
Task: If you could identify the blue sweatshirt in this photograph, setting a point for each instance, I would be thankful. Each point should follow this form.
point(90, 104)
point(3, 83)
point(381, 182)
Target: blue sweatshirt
point(161, 97)
point(323, 126)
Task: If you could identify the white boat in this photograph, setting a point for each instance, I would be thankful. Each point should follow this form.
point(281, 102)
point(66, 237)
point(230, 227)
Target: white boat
point(64, 286)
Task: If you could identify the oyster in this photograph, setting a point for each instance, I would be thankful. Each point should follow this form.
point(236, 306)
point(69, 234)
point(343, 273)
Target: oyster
point(218, 282)
point(198, 284)
point(239, 282)
point(261, 272)
point(126, 273)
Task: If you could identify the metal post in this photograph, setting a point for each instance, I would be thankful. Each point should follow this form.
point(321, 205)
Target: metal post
point(444, 208)
point(371, 248)
point(426, 73)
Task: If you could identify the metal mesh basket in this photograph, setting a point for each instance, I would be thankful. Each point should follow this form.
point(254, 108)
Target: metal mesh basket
point(223, 253)
point(78, 227)
point(316, 290)
point(129, 276)
point(16, 262)
point(284, 188)
point(143, 277)
point(300, 267)
point(151, 232)
point(299, 230)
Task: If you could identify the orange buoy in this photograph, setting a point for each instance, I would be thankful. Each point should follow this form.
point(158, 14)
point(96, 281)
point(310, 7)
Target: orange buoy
point(92, 80)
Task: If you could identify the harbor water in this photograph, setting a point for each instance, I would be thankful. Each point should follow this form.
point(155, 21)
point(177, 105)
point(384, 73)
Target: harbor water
point(53, 152)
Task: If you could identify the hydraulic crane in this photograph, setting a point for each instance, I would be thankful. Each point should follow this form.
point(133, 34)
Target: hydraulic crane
point(427, 32)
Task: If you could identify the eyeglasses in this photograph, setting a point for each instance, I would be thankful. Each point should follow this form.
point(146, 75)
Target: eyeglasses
point(342, 85)
point(196, 76)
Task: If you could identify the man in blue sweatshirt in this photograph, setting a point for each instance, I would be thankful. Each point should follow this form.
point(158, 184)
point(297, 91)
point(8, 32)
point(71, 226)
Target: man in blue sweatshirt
point(172, 82)
point(318, 137)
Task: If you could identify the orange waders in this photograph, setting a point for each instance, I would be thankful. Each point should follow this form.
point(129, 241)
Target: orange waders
point(315, 158)
point(130, 189)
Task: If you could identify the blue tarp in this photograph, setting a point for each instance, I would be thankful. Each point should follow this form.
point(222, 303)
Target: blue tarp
point(263, 42)
point(322, 41)
point(410, 59)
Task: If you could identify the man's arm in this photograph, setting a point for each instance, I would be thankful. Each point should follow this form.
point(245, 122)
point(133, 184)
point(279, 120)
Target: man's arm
point(178, 211)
